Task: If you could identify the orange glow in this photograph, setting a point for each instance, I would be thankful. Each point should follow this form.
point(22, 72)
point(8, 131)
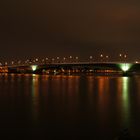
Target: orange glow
point(3, 69)
point(101, 83)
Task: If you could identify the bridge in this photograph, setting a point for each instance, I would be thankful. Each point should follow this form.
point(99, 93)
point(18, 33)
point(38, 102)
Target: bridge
point(74, 68)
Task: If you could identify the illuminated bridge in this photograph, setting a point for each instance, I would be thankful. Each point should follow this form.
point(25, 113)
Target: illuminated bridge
point(70, 68)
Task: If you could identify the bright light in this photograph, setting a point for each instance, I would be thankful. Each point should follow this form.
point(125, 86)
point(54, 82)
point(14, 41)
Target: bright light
point(12, 62)
point(125, 67)
point(90, 57)
point(101, 55)
point(34, 67)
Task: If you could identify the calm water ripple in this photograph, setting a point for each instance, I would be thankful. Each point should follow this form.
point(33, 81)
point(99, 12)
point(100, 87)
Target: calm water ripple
point(68, 107)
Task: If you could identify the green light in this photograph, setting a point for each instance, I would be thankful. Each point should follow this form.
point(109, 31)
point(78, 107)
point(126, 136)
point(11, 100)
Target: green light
point(125, 66)
point(34, 67)
point(125, 100)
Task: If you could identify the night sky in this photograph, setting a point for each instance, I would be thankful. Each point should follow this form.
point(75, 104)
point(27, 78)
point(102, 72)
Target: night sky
point(30, 28)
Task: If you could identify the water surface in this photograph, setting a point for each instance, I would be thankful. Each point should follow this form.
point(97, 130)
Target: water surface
point(68, 107)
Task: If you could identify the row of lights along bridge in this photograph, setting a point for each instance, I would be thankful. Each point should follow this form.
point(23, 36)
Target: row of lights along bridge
point(70, 59)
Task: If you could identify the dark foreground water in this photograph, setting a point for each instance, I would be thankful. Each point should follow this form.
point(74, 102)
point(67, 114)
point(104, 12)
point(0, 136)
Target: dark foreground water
point(68, 107)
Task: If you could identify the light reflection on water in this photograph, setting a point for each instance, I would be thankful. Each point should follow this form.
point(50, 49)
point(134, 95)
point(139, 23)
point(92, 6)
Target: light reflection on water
point(79, 105)
point(125, 102)
point(35, 95)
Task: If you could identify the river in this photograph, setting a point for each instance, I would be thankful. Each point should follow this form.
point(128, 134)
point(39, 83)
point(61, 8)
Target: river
point(43, 107)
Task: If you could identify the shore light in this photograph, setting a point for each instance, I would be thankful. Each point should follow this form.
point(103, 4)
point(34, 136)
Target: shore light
point(34, 67)
point(125, 66)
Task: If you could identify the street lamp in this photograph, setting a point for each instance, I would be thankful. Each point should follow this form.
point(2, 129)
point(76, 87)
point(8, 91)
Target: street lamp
point(125, 56)
point(107, 57)
point(101, 55)
point(53, 60)
point(76, 58)
point(47, 59)
point(43, 61)
point(6, 63)
point(19, 62)
point(57, 59)
point(64, 58)
point(70, 58)
point(91, 57)
point(12, 62)
point(120, 56)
